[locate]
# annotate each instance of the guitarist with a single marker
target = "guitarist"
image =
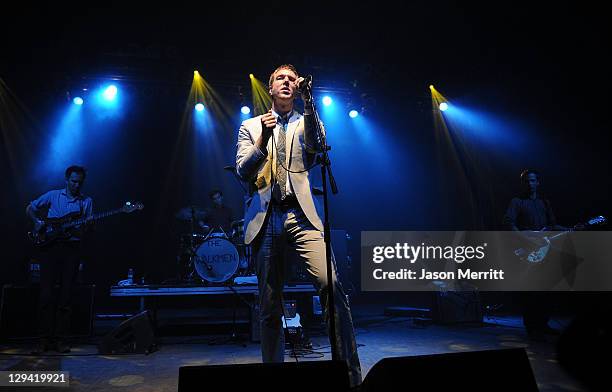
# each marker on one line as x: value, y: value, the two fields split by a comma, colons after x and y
x: 59, y: 258
x: 530, y: 211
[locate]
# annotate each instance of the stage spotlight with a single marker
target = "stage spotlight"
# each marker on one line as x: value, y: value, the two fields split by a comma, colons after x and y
x: 353, y: 113
x: 199, y: 107
x: 443, y: 106
x: 110, y: 92
x: 251, y: 76
x: 245, y: 110
x: 327, y: 100
x: 78, y: 100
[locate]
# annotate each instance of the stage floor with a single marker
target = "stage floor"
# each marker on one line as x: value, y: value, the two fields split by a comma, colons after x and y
x: 378, y: 337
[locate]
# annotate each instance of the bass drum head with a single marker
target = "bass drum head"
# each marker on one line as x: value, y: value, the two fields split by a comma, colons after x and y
x: 216, y: 260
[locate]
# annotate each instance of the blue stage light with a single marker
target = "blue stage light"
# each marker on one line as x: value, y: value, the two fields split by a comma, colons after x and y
x: 353, y: 113
x: 327, y: 100
x: 245, y: 110
x: 110, y: 92
x: 77, y: 100
x: 443, y: 106
x: 199, y: 107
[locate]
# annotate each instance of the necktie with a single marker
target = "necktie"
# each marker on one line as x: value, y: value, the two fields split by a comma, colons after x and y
x: 280, y: 190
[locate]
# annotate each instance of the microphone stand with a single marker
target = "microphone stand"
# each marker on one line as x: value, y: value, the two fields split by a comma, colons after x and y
x: 192, y: 253
x: 325, y: 171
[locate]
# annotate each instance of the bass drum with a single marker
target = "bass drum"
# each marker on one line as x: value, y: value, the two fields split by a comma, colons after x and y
x: 216, y: 260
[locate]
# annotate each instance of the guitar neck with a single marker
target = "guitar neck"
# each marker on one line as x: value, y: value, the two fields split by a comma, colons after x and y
x: 560, y: 234
x: 587, y: 224
x: 95, y: 217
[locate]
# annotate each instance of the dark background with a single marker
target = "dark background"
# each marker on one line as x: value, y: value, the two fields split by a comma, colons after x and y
x: 540, y: 69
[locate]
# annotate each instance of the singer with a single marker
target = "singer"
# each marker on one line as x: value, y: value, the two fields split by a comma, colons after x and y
x: 274, y: 154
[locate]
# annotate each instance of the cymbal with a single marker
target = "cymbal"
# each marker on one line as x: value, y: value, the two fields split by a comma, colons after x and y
x: 190, y: 212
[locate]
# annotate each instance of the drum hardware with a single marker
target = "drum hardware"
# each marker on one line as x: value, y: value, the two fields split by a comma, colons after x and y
x: 210, y: 255
x: 216, y: 260
x: 211, y: 258
x: 237, y: 233
x: 190, y: 214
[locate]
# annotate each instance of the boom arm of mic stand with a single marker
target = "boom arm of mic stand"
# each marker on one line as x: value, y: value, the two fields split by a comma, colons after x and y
x: 324, y: 147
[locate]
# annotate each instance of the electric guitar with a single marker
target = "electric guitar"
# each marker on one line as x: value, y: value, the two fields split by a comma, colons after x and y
x: 537, y: 254
x: 58, y: 229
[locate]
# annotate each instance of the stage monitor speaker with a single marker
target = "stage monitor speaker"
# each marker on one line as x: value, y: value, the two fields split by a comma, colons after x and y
x: 19, y: 311
x: 269, y: 377
x: 134, y: 335
x: 492, y: 370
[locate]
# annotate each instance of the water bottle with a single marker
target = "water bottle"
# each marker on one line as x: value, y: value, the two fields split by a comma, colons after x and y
x: 130, y: 279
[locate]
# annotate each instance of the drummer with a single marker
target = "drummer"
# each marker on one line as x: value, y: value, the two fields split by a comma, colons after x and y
x: 218, y: 216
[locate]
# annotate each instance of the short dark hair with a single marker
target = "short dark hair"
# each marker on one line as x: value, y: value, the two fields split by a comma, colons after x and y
x: 284, y: 66
x: 525, y: 174
x: 212, y: 193
x: 76, y: 169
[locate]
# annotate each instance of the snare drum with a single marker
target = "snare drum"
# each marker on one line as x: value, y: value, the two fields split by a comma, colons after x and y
x: 216, y: 259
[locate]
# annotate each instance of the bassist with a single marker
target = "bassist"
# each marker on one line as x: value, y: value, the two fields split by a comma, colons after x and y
x: 59, y: 259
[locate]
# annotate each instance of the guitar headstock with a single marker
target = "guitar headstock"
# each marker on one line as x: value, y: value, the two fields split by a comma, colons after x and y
x: 132, y: 206
x: 600, y: 220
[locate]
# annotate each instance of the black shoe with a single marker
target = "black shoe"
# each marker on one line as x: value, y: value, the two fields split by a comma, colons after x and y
x: 62, y: 347
x: 43, y: 346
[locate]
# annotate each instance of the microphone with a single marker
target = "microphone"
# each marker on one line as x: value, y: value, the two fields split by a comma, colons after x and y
x: 305, y: 85
x: 230, y: 168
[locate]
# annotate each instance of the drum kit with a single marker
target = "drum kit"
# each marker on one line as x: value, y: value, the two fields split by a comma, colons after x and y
x: 209, y: 255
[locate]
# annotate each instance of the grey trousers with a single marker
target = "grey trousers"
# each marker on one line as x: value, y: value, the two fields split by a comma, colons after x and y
x: 289, y: 227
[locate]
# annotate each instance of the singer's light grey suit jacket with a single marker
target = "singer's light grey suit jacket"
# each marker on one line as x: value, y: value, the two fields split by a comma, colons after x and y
x: 255, y: 168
